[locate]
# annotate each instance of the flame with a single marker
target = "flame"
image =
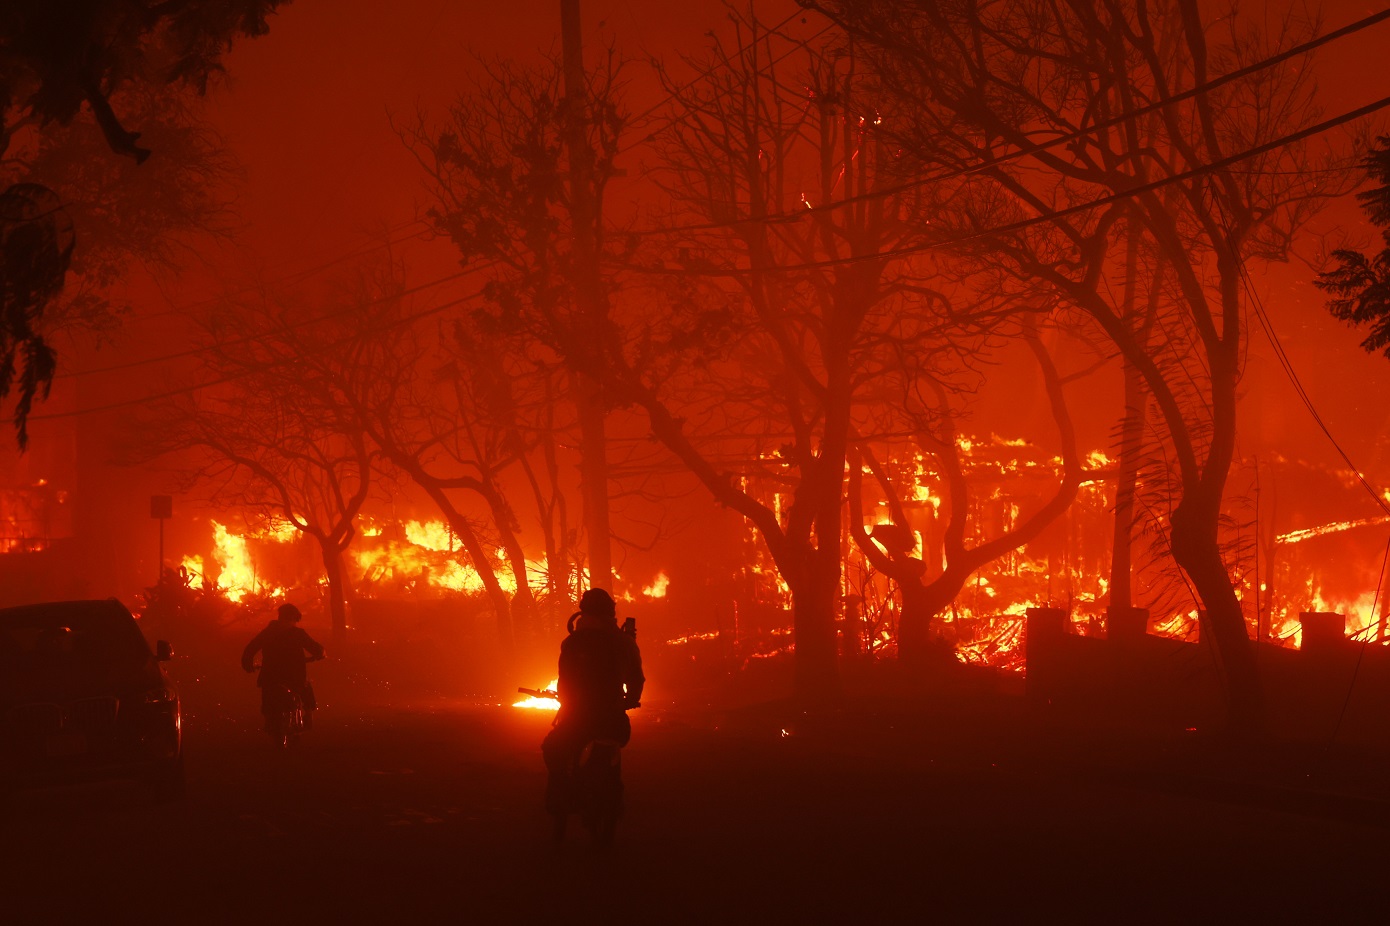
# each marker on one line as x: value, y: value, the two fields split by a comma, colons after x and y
x: 1336, y: 527
x: 1358, y: 614
x: 681, y: 641
x: 193, y: 565
x: 658, y: 587
x: 415, y: 565
x: 531, y: 702
x: 427, y: 558
x: 432, y: 535
x: 237, y: 576
x: 1179, y: 626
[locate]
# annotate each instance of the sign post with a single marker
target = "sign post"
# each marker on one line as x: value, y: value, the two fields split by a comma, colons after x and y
x: 162, y: 508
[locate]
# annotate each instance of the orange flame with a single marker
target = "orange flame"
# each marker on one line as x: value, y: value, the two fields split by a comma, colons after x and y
x: 658, y: 587
x: 531, y: 702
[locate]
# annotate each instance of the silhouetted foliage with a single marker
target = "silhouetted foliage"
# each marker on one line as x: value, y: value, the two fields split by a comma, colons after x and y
x: 1360, y: 282
x: 36, y: 242
x: 125, y: 213
x: 55, y: 56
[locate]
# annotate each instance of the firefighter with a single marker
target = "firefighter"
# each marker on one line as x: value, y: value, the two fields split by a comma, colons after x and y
x: 283, y: 646
x: 600, y: 679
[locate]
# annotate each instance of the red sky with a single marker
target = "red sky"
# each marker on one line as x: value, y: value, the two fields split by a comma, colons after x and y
x: 305, y: 112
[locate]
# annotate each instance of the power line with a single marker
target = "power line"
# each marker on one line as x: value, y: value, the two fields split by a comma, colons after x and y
x: 303, y: 274
x: 310, y: 271
x: 403, y: 322
x: 1287, y: 365
x: 1022, y: 224
x: 299, y: 275
x: 956, y: 173
x: 250, y: 339
x: 1008, y: 228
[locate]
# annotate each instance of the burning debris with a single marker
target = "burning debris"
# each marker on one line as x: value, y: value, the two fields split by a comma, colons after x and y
x: 983, y: 625
x: 235, y: 573
x: 540, y: 703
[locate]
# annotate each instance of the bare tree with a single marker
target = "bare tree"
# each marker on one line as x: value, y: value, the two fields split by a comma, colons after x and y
x: 928, y: 590
x: 519, y: 174
x: 272, y: 437
x: 442, y: 407
x: 981, y: 85
x: 782, y: 351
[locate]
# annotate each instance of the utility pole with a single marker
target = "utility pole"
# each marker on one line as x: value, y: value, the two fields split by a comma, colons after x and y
x: 161, y: 509
x: 588, y: 333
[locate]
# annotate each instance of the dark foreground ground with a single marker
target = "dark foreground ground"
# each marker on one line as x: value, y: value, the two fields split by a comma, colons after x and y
x: 426, y: 810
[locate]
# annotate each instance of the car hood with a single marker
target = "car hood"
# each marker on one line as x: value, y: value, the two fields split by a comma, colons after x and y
x: 75, y: 679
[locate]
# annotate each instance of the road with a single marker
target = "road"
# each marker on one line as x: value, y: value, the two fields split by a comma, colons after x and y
x: 426, y: 809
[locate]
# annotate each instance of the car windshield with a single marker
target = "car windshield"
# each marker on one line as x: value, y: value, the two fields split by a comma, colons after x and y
x: 76, y: 635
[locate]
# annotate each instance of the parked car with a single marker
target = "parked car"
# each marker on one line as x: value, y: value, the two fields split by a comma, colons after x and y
x: 83, y: 697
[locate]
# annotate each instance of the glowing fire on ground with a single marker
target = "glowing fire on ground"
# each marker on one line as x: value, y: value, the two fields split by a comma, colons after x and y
x: 984, y: 625
x: 1068, y: 566
x: 531, y: 702
x: 385, y: 560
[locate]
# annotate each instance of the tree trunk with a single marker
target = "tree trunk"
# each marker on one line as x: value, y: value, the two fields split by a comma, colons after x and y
x: 814, y: 596
x: 501, y: 604
x: 591, y: 300
x: 922, y: 602
x: 593, y: 482
x: 554, y: 560
x: 337, y: 591
x: 1196, y: 551
x: 822, y: 493
x: 1126, y: 481
x: 523, y: 608
x: 914, y: 623
x: 468, y: 540
x: 504, y: 520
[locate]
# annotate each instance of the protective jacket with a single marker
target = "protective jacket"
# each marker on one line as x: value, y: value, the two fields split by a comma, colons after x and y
x: 600, y: 673
x: 283, y: 647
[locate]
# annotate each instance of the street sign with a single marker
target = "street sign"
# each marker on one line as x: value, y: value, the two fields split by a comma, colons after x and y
x: 161, y: 506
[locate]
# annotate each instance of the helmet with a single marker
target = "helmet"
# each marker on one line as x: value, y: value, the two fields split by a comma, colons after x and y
x: 597, y: 603
x: 289, y: 612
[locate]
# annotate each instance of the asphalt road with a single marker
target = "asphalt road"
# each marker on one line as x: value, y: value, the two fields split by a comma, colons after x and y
x: 399, y: 810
